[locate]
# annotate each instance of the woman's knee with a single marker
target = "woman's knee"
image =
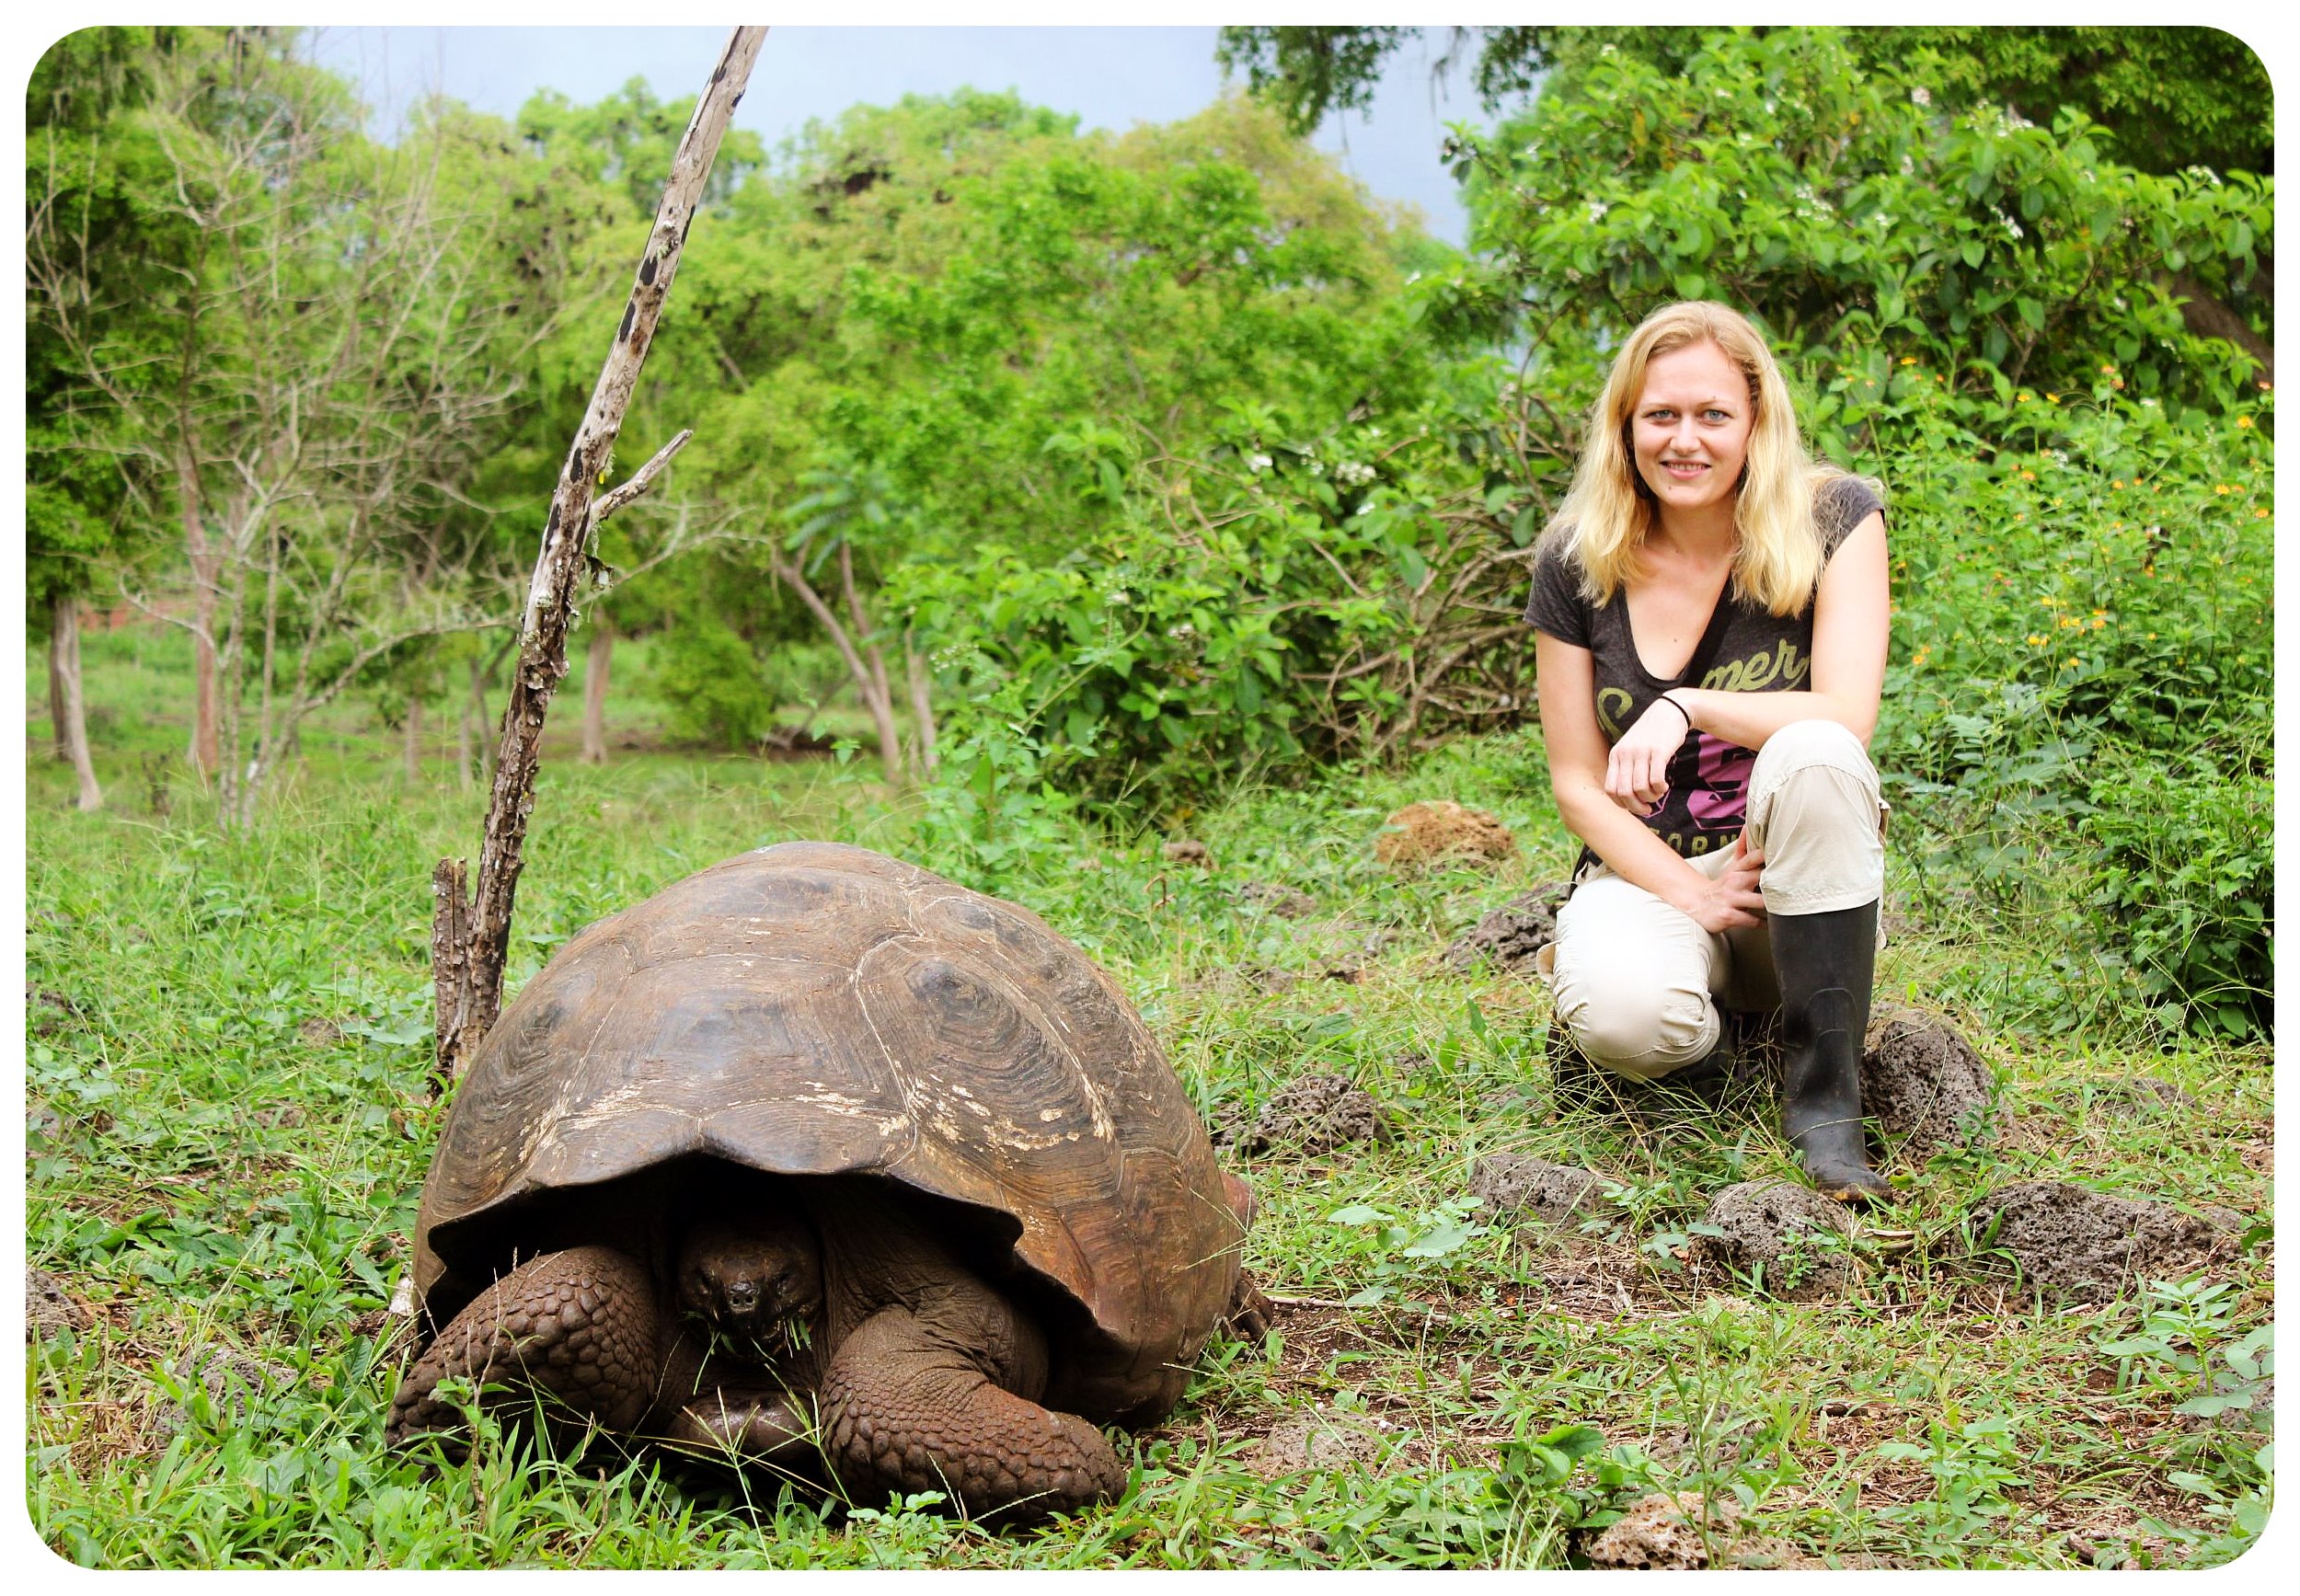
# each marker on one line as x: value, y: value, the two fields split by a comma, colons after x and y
x: 1814, y: 811
x: 1635, y: 1027
x: 1807, y: 745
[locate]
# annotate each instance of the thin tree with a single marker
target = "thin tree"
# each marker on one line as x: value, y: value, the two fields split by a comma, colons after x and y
x: 471, y: 932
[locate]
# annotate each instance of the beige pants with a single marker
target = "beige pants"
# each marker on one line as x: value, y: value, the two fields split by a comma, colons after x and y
x: 1637, y: 983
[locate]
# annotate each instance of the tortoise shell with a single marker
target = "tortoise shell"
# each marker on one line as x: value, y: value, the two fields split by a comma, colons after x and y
x: 812, y: 1009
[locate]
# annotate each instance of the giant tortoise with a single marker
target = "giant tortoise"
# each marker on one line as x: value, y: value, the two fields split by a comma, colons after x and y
x: 819, y: 1161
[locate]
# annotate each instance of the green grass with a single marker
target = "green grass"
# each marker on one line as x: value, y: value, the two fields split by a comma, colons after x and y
x: 227, y: 1126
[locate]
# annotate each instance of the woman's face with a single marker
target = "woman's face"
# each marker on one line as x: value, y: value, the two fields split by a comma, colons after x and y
x: 1689, y: 431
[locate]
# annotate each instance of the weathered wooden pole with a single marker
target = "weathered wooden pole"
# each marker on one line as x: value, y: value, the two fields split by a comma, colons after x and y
x: 471, y: 933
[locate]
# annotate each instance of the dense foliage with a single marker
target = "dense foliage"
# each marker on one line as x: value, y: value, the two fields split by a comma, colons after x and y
x: 1108, y: 472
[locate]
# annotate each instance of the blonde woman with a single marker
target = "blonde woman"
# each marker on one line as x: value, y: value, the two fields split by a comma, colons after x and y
x: 1709, y: 609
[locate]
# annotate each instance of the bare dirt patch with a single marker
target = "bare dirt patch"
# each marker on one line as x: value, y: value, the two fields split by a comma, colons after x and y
x: 1437, y: 830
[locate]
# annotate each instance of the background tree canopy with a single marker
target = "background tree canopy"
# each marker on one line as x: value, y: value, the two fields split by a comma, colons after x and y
x: 1087, y: 475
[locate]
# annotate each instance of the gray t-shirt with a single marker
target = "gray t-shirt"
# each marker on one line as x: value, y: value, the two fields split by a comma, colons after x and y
x: 1745, y: 649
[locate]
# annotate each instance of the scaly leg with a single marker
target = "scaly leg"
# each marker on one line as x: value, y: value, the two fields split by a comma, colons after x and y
x: 909, y: 1406
x: 581, y: 1328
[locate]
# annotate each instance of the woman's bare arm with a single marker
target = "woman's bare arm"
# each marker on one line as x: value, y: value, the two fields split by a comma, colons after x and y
x: 1851, y: 613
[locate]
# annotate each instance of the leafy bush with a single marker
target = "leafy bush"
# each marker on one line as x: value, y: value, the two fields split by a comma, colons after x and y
x: 2187, y: 877
x: 708, y: 677
x: 1777, y: 175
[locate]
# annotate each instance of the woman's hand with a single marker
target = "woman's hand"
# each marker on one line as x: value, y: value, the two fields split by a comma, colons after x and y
x: 1732, y: 900
x: 1637, y: 771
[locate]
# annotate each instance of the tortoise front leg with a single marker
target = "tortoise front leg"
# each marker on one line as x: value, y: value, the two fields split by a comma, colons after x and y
x: 909, y: 1406
x: 581, y: 1329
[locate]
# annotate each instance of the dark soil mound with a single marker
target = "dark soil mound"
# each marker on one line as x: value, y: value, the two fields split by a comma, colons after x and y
x: 49, y: 1308
x: 1314, y: 1114
x: 1923, y: 1083
x: 1286, y: 903
x: 1513, y: 1183
x: 1783, y: 1233
x: 1510, y: 936
x: 2086, y: 1247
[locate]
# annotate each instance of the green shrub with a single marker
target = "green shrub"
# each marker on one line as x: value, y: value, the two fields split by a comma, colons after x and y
x: 2187, y: 876
x: 708, y: 679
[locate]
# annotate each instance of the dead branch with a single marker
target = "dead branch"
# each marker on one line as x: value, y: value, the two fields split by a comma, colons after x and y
x: 478, y: 983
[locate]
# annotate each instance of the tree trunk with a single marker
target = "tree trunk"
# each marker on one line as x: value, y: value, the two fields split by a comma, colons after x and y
x: 471, y: 938
x: 595, y: 662
x: 877, y: 694
x: 59, y: 744
x: 64, y: 672
x: 922, y: 708
x: 411, y: 747
x: 871, y: 683
x: 2207, y: 316
x: 202, y: 754
x: 473, y: 751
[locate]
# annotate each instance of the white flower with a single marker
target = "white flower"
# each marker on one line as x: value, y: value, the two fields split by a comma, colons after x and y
x: 1597, y: 209
x: 1922, y: 96
x: 1258, y: 462
x: 1181, y: 633
x: 1908, y: 166
x: 1118, y: 596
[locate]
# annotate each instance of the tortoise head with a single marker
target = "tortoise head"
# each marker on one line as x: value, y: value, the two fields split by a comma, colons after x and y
x: 755, y: 1280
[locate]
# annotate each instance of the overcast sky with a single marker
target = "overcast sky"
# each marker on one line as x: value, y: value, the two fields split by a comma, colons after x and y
x: 1110, y: 77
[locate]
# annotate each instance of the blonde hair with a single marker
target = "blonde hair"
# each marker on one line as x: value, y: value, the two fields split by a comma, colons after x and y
x: 1608, y: 512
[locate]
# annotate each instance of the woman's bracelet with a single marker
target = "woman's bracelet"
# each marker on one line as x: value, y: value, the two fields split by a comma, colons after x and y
x: 1679, y: 708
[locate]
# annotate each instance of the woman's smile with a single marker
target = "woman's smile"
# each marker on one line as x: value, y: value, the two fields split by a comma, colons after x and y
x: 1689, y: 434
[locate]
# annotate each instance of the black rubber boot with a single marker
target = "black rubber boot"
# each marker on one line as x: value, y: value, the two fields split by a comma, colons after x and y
x: 1826, y: 964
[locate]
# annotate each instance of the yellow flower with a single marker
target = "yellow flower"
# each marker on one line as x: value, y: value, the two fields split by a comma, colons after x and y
x: 1908, y: 359
x: 2244, y: 420
x: 2036, y: 640
x: 2260, y: 514
x: 2223, y: 488
x: 2116, y: 482
x: 2020, y: 398
x: 2051, y: 398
